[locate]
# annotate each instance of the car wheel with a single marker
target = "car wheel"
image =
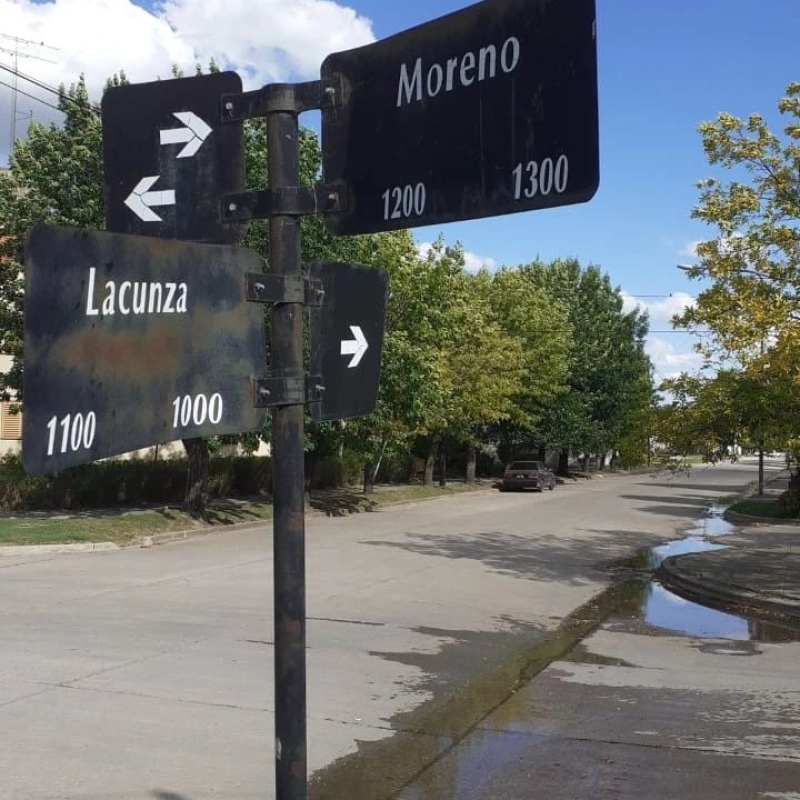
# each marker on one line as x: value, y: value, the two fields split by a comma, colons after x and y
x: 552, y: 485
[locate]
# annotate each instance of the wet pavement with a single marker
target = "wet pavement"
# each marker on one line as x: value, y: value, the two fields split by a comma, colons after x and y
x: 691, y: 695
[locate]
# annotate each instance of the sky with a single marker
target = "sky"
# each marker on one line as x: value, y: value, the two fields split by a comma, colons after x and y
x: 664, y: 67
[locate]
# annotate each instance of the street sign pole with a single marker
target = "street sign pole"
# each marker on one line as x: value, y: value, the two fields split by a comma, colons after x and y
x: 283, y: 171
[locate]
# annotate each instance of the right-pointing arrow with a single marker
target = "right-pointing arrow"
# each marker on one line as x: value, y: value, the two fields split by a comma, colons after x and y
x: 355, y: 347
x: 141, y: 199
x: 193, y: 133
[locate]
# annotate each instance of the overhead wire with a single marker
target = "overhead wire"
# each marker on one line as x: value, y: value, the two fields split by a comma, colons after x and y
x: 46, y: 87
x: 31, y: 96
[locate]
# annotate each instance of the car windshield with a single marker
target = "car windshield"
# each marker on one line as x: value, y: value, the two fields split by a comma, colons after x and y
x: 524, y: 465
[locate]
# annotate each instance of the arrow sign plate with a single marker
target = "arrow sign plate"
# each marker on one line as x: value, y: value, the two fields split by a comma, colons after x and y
x: 132, y: 341
x: 487, y: 111
x: 168, y: 158
x: 347, y: 338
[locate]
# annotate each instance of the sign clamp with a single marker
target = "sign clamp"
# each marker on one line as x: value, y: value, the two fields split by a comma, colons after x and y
x: 290, y: 201
x: 285, y: 390
x: 264, y: 287
x: 289, y: 97
x: 288, y: 390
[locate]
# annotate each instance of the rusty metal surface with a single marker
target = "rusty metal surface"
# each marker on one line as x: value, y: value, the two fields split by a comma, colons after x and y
x: 288, y: 466
x: 130, y: 369
x: 461, y: 138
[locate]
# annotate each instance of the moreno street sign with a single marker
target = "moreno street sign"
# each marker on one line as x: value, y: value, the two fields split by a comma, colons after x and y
x: 487, y: 111
x: 133, y: 341
x: 168, y: 159
x: 347, y: 338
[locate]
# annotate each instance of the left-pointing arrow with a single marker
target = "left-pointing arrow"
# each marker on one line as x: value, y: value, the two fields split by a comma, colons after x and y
x: 141, y: 200
x: 355, y: 347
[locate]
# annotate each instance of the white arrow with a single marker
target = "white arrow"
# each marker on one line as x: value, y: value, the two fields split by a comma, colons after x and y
x: 140, y: 200
x: 194, y: 132
x: 355, y: 347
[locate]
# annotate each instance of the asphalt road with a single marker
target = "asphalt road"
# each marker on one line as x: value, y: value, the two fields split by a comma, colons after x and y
x: 148, y: 673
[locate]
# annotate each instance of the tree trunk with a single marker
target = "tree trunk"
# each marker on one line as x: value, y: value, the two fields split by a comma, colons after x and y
x: 563, y: 463
x: 472, y: 463
x: 584, y: 462
x: 428, y: 478
x: 602, y: 465
x: 197, y: 479
x: 369, y: 478
x: 442, y: 464
x: 760, y: 469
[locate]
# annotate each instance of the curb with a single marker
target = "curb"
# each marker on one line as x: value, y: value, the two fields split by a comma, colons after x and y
x: 53, y: 549
x: 707, y: 591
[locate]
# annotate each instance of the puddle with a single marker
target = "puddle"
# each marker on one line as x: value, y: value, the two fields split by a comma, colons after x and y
x: 660, y: 608
x: 697, y: 539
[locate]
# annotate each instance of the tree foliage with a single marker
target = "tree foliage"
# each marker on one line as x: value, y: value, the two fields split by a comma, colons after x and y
x: 608, y: 378
x: 541, y: 355
x: 751, y: 304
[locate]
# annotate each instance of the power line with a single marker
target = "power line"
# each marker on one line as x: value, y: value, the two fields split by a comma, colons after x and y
x: 41, y: 85
x: 14, y: 89
x: 31, y: 96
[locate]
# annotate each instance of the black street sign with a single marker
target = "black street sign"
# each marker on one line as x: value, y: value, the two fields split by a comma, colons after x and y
x: 487, y: 111
x: 132, y: 341
x: 168, y: 159
x: 347, y: 338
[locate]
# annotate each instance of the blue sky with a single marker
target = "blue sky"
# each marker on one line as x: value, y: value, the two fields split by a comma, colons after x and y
x: 664, y: 66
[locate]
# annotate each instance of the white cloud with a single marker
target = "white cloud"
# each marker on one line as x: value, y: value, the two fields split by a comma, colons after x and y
x: 274, y: 40
x: 472, y: 261
x: 689, y: 250
x: 671, y: 353
x: 264, y: 40
x: 475, y: 263
x: 660, y: 310
x: 671, y: 357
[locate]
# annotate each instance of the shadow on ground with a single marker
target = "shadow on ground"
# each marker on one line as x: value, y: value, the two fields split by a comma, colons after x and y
x: 341, y: 503
x: 550, y: 557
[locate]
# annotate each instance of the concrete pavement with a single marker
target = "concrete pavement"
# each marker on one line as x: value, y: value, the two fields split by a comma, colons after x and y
x: 147, y: 673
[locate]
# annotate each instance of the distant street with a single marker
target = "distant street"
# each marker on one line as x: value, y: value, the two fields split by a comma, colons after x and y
x: 146, y: 673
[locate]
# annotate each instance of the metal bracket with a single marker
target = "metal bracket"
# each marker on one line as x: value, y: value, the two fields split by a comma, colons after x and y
x: 292, y: 201
x: 287, y: 391
x: 274, y: 97
x: 262, y: 287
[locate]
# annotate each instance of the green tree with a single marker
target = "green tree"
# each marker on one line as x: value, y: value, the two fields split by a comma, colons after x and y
x: 527, y: 312
x: 55, y: 176
x: 608, y: 382
x: 750, y: 308
x: 753, y: 261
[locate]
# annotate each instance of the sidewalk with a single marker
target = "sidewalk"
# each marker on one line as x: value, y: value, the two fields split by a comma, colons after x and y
x: 758, y: 572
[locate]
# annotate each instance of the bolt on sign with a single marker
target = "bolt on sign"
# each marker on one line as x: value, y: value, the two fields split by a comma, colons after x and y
x: 487, y: 111
x: 132, y: 341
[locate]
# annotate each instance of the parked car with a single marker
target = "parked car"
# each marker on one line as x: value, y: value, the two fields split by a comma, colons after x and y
x: 527, y: 475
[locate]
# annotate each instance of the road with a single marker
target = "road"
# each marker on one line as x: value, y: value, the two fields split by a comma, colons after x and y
x: 146, y: 673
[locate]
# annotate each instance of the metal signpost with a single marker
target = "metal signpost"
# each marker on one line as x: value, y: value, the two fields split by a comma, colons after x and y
x: 132, y: 341
x: 487, y: 111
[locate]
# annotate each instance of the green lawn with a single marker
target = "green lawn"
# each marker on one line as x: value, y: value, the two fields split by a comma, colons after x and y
x: 764, y: 507
x: 126, y: 527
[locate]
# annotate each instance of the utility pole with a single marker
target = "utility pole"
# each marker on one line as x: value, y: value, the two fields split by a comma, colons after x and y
x: 13, y: 49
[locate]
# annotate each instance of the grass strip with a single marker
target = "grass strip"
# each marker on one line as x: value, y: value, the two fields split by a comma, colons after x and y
x: 124, y: 527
